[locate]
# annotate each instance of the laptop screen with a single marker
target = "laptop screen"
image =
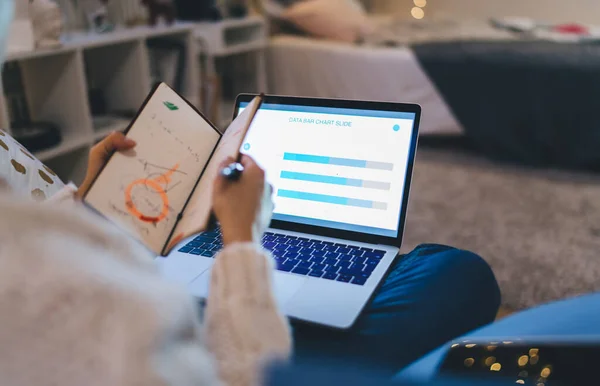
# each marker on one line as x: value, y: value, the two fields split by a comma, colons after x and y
x: 337, y: 168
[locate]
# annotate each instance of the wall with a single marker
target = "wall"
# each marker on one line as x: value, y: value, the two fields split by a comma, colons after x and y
x: 585, y: 11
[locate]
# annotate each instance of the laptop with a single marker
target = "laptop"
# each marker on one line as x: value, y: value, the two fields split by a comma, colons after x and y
x: 341, y: 172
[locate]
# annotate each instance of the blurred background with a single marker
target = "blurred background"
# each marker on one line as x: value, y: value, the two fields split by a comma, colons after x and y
x: 510, y: 134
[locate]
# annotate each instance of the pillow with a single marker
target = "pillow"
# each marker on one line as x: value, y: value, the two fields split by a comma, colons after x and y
x: 24, y: 174
x: 339, y: 20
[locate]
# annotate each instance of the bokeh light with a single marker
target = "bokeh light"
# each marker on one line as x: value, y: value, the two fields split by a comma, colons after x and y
x: 523, y: 360
x: 533, y: 352
x: 546, y: 372
x: 417, y: 13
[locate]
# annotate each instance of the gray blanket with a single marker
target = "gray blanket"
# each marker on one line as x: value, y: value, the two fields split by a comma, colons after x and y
x: 536, y: 103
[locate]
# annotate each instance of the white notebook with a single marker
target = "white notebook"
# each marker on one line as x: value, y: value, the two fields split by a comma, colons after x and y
x: 161, y: 191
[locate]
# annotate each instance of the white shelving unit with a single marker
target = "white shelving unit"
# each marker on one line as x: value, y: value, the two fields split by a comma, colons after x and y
x: 56, y: 84
x: 232, y: 38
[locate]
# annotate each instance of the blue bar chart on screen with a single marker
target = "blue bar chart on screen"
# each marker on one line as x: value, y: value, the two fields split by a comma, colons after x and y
x: 336, y: 180
x: 334, y: 167
x: 332, y: 199
x: 355, y: 163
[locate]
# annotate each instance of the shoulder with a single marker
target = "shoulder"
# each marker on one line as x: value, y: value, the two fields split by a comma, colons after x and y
x: 96, y: 297
x: 26, y: 175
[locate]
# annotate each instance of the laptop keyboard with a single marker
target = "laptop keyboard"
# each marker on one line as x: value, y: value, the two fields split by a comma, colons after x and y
x: 303, y: 256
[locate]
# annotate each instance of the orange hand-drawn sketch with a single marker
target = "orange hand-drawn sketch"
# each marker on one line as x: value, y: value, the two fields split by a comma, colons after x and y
x: 159, y: 186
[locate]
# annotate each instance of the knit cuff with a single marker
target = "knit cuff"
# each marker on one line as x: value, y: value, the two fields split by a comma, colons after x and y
x: 243, y: 272
x: 64, y: 196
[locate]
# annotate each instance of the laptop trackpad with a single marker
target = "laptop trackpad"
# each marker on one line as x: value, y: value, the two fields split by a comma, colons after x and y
x: 182, y: 268
x: 285, y: 286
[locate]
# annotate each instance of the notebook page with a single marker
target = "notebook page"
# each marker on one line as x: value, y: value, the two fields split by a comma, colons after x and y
x: 145, y: 189
x: 197, y: 213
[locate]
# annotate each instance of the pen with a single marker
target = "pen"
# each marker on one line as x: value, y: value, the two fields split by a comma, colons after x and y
x: 233, y: 171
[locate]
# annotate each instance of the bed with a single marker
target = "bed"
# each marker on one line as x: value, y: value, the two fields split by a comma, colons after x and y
x: 524, y: 101
x: 309, y: 67
x: 383, y: 67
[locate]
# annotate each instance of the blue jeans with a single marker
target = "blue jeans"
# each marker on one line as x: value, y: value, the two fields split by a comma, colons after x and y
x: 432, y: 295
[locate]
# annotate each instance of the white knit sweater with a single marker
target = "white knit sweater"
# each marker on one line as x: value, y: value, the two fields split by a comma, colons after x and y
x: 82, y: 304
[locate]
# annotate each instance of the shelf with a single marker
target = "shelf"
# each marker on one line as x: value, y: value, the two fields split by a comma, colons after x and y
x: 65, y: 146
x: 229, y: 37
x: 18, y: 56
x: 164, y: 30
x: 120, y: 73
x: 104, y: 125
x: 232, y: 23
x: 72, y: 41
x: 241, y: 48
x: 55, y: 92
x: 86, y: 40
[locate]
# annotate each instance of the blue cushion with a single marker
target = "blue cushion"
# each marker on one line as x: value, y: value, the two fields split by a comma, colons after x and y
x: 571, y: 320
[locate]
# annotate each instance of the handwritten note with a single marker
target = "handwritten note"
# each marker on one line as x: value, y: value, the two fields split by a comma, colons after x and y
x: 146, y: 189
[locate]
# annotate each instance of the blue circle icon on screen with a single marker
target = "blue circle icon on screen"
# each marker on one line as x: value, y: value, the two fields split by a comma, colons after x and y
x: 396, y: 127
x: 247, y: 146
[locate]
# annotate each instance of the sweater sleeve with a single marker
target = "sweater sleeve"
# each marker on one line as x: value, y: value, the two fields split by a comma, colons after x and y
x: 65, y: 196
x: 244, y: 327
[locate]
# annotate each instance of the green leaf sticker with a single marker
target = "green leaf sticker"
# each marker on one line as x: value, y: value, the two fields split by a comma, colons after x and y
x: 171, y: 106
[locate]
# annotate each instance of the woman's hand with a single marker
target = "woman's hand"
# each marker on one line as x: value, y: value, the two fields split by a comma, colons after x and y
x: 238, y: 204
x: 100, y: 154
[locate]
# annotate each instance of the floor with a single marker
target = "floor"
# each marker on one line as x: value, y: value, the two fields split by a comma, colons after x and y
x: 504, y: 312
x: 538, y: 229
